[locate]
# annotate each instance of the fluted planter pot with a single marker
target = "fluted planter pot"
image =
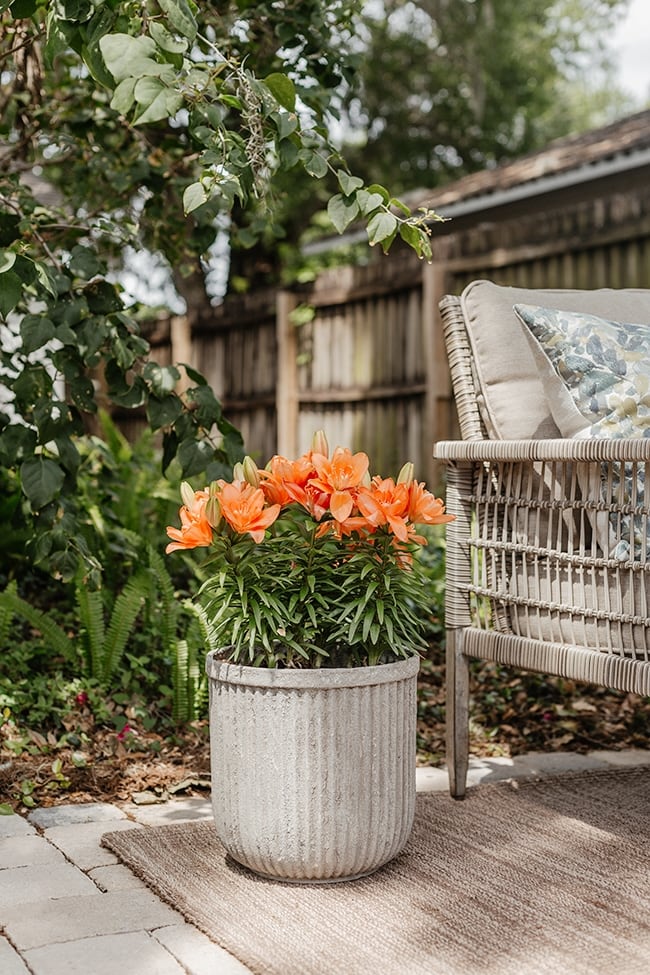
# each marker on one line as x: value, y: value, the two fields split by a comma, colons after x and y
x: 313, y: 771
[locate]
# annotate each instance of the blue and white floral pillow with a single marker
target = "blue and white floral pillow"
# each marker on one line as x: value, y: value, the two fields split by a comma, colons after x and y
x: 605, y: 366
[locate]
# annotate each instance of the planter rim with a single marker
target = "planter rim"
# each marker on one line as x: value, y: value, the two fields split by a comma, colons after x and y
x: 220, y: 670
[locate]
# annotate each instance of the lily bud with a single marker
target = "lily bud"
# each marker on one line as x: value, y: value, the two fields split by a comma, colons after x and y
x: 238, y: 472
x: 212, y: 506
x: 366, y: 480
x: 187, y: 494
x: 319, y: 443
x: 251, y: 471
x: 405, y: 476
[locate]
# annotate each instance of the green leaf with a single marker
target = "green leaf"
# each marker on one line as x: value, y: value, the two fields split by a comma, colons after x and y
x: 123, y: 96
x: 41, y: 480
x: 130, y: 57
x: 342, y: 212
x: 161, y: 379
x: 102, y: 298
x: 381, y: 226
x: 84, y: 262
x: 35, y: 331
x: 163, y: 412
x: 401, y: 206
x: 287, y: 123
x: 368, y: 201
x: 11, y: 289
x: 160, y: 101
x: 194, y: 456
x: 381, y: 190
x: 348, y: 183
x: 7, y: 261
x: 6, y: 809
x: 283, y: 90
x: 44, y: 277
x: 194, y: 197
x: 166, y: 41
x: 416, y: 238
x: 180, y: 16
x: 313, y: 162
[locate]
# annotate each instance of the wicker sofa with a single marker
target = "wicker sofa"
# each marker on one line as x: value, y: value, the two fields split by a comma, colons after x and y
x: 547, y: 565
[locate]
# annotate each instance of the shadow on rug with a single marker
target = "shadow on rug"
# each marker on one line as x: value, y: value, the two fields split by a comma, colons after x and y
x: 534, y: 878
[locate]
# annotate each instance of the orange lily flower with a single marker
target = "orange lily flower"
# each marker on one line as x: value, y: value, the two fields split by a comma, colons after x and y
x: 386, y: 503
x: 282, y: 475
x: 242, y: 506
x: 340, y: 477
x: 195, y: 530
x: 425, y: 508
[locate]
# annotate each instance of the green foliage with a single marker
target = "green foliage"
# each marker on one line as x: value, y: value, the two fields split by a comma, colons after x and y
x: 296, y: 599
x: 114, y: 632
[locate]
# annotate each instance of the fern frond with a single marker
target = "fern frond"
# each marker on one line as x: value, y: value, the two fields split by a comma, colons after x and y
x: 90, y: 607
x: 180, y: 699
x: 125, y: 611
x: 7, y: 614
x: 53, y: 634
x: 169, y: 607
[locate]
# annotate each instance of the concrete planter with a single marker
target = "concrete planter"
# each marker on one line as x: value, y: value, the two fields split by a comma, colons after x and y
x: 313, y: 771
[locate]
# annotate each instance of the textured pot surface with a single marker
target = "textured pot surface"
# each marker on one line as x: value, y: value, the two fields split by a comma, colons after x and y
x: 313, y: 771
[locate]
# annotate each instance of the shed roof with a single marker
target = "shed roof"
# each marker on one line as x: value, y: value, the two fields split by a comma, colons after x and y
x: 617, y: 147
x: 592, y: 163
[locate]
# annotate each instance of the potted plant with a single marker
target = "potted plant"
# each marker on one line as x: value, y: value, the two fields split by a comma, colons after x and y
x: 315, y: 600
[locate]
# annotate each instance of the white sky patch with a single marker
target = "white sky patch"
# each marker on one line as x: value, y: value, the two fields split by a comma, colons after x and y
x: 630, y: 44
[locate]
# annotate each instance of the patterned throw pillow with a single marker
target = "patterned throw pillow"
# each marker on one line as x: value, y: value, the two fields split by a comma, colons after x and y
x: 605, y: 367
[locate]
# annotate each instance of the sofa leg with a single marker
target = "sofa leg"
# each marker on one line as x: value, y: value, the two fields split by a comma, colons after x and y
x: 457, y: 714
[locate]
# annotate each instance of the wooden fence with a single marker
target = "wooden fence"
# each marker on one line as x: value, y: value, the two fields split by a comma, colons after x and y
x: 369, y: 367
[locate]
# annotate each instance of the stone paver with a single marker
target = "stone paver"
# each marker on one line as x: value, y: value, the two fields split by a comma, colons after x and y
x: 10, y: 961
x: 109, y: 954
x: 15, y: 826
x: 82, y: 812
x: 182, y: 810
x: 48, y: 922
x: 196, y: 953
x: 22, y: 885
x: 26, y: 850
x: 115, y: 877
x: 81, y: 842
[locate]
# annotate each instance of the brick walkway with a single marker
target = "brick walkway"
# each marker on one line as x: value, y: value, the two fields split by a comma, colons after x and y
x: 68, y: 907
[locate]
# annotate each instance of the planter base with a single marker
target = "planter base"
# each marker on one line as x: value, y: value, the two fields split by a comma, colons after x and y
x: 313, y: 771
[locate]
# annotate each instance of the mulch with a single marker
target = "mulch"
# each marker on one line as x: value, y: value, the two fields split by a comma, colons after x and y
x: 512, y: 713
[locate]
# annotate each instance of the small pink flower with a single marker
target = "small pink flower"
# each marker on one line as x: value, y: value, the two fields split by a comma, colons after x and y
x: 82, y: 699
x: 126, y: 730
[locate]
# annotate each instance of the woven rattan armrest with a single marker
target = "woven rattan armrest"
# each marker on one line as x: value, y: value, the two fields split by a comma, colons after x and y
x: 578, y: 451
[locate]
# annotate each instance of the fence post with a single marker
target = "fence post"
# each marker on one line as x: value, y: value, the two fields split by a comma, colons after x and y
x: 180, y: 332
x: 438, y: 393
x: 286, y: 390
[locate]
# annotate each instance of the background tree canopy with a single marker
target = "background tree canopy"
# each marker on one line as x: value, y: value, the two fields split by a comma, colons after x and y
x: 177, y: 129
x: 448, y: 88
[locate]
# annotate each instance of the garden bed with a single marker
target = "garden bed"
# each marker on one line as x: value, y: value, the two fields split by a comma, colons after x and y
x: 511, y: 714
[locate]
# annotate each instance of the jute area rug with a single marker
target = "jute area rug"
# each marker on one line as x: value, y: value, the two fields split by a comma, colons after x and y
x: 542, y: 877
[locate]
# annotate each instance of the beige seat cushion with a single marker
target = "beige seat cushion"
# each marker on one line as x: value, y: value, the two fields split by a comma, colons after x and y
x: 515, y: 382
